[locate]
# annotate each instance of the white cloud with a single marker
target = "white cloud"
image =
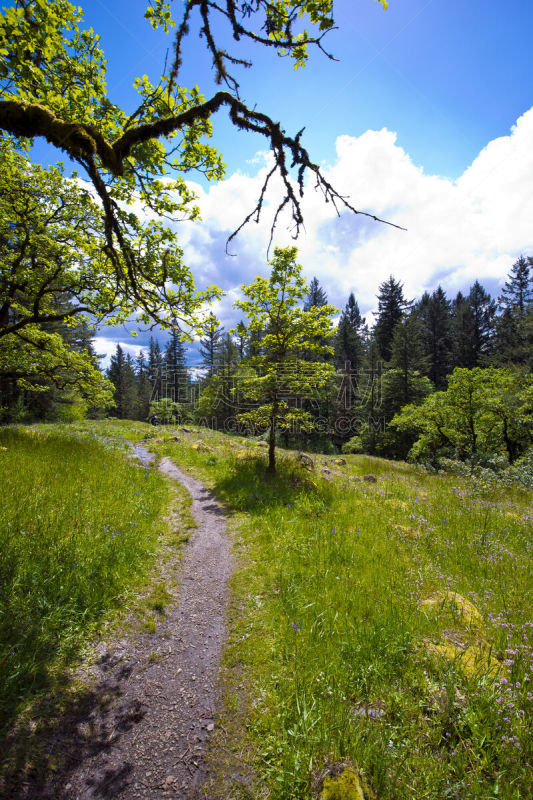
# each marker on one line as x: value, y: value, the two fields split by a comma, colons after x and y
x: 457, y: 231
x: 107, y: 347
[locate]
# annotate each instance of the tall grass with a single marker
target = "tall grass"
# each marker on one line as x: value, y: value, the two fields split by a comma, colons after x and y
x: 78, y: 527
x: 343, y: 660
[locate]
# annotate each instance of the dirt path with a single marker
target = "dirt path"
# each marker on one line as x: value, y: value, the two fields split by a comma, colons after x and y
x: 147, y: 739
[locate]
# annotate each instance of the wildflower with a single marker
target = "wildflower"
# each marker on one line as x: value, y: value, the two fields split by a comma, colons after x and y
x: 296, y: 626
x: 136, y: 492
x: 333, y: 531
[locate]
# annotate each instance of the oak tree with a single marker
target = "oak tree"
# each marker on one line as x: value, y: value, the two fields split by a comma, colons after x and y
x: 279, y: 374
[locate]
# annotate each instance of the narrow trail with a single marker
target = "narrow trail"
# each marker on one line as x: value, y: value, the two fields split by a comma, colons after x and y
x: 150, y: 740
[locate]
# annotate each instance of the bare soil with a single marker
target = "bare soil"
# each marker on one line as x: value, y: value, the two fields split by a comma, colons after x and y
x: 142, y: 730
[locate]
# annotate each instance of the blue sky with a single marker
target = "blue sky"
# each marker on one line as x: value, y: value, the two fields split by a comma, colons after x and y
x: 415, y: 121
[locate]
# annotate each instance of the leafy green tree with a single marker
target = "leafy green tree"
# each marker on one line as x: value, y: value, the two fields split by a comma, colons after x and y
x: 391, y: 308
x: 38, y: 359
x: 279, y: 373
x: 167, y: 410
x: 483, y: 413
x: 53, y: 85
x: 53, y: 275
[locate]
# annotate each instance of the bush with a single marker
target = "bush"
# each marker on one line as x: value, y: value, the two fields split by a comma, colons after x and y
x: 353, y: 445
x: 167, y: 411
x: 522, y: 470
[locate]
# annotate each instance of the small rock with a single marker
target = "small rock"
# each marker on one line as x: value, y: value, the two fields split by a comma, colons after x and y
x: 262, y: 444
x: 211, y: 726
x: 372, y: 710
x: 305, y: 461
x: 201, y: 447
x: 370, y: 478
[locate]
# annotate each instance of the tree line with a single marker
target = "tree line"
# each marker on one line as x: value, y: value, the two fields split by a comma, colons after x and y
x: 408, y: 354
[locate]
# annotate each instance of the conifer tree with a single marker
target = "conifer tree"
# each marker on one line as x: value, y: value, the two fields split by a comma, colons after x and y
x: 176, y: 377
x: 434, y: 313
x: 408, y: 362
x: 483, y: 314
x: 391, y: 308
x: 348, y: 343
x: 512, y: 343
x: 462, y: 330
x: 155, y: 363
x: 122, y: 375
x: 144, y: 387
x: 241, y: 339
x: 316, y: 296
x: 517, y: 293
x: 210, y: 343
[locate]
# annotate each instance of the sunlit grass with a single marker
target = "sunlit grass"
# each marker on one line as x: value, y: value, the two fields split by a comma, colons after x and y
x: 341, y: 657
x: 332, y: 655
x: 79, y: 528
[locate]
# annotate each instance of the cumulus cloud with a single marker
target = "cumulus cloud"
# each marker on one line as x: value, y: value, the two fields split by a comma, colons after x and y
x: 457, y: 231
x: 106, y: 347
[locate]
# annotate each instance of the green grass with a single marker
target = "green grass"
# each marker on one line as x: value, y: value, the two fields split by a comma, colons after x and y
x: 80, y: 528
x: 332, y: 656
x: 333, y: 651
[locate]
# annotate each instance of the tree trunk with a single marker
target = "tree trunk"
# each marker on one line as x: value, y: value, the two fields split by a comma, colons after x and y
x: 272, y: 442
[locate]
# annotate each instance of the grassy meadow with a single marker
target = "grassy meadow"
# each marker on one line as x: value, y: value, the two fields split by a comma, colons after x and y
x: 379, y: 626
x: 80, y: 528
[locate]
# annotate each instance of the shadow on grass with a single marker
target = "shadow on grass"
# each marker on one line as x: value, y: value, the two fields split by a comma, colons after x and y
x: 42, y: 752
x: 249, y: 487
